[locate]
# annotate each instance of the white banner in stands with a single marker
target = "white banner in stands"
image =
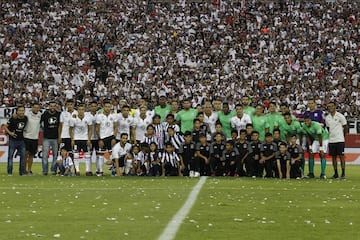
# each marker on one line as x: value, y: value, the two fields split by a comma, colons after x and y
x: 7, y: 112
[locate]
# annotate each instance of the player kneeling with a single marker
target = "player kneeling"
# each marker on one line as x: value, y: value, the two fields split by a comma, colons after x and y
x: 64, y: 163
x: 171, y: 162
x: 119, y: 152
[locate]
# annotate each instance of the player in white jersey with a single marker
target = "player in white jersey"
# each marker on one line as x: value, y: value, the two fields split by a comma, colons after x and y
x: 144, y: 102
x: 141, y: 122
x: 125, y: 124
x: 119, y: 152
x: 239, y: 121
x: 64, y: 125
x: 210, y: 117
x: 93, y: 107
x: 80, y: 133
x: 31, y: 136
x: 106, y: 130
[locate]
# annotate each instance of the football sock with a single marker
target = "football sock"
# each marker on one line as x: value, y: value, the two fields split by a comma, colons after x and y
x: 311, y: 165
x: 323, y: 165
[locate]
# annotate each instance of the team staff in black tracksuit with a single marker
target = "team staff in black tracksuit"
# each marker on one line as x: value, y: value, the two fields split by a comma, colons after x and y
x: 187, y: 154
x: 243, y: 149
x: 296, y: 153
x: 202, y: 156
x: 216, y: 150
x: 254, y: 158
x: 283, y: 159
x: 268, y: 150
x: 228, y: 160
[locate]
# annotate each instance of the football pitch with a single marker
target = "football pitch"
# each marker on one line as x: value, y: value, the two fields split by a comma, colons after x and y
x: 55, y: 207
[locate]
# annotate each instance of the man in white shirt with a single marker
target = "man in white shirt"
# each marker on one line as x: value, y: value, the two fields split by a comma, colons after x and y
x: 106, y: 130
x: 141, y: 122
x: 119, y: 151
x: 337, y: 125
x: 239, y: 121
x: 80, y: 133
x: 125, y: 124
x: 31, y: 136
x: 64, y: 125
x: 210, y: 116
x: 92, y: 113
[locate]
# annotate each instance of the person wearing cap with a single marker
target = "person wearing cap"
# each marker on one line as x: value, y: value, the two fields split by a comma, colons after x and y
x: 163, y: 109
x: 317, y: 140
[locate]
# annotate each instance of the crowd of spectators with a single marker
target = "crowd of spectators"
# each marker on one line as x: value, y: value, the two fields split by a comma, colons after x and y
x: 283, y: 51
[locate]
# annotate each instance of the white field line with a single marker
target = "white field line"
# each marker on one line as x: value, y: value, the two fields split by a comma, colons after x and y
x: 174, y: 224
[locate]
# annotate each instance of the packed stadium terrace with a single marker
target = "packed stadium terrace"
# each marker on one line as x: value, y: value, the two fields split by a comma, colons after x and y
x: 283, y: 51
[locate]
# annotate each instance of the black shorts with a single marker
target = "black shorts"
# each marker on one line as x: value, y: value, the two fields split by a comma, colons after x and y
x: 31, y: 145
x: 66, y: 143
x: 336, y: 149
x: 81, y: 145
x: 107, y: 142
x: 95, y: 145
x: 121, y: 161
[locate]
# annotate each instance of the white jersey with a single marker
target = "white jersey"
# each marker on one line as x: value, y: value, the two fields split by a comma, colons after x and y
x: 32, y: 127
x: 149, y: 113
x: 140, y: 127
x: 120, y: 151
x: 81, y: 127
x: 124, y: 125
x: 211, y: 120
x: 65, y: 118
x: 240, y: 123
x: 106, y: 124
x: 335, y: 124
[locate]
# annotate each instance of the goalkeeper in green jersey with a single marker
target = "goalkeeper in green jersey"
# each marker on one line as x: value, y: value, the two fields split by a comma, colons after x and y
x: 317, y: 140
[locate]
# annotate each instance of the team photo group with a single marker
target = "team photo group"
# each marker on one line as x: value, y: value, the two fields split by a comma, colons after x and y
x: 174, y: 138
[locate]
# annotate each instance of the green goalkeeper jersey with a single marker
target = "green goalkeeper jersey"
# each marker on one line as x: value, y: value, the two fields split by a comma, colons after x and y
x: 314, y: 130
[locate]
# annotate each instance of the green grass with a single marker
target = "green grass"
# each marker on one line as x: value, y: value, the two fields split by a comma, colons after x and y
x: 140, y: 208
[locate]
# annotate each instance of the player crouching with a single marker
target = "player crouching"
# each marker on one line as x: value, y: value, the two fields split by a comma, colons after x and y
x: 64, y: 162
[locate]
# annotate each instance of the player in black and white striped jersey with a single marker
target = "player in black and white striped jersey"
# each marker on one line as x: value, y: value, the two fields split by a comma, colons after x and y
x: 150, y: 135
x: 170, y: 122
x: 159, y: 132
x: 171, y: 162
x: 175, y: 138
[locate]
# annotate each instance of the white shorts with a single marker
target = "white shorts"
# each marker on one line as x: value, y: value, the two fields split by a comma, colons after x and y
x: 316, y: 146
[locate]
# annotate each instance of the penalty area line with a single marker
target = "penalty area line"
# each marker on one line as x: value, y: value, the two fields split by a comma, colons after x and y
x: 174, y: 224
